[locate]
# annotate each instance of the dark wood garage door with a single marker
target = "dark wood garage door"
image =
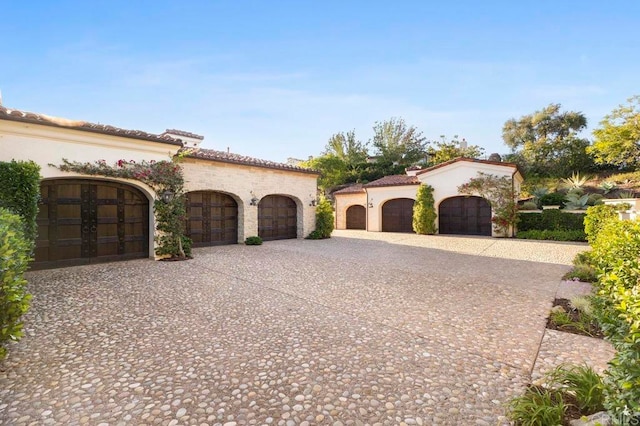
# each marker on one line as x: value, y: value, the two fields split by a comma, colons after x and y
x: 356, y: 217
x: 397, y: 215
x: 89, y: 221
x: 277, y: 218
x: 212, y: 218
x: 465, y: 215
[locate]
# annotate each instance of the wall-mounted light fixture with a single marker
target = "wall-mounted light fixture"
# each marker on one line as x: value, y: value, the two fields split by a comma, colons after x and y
x: 167, y: 196
x: 313, y: 202
x: 254, y: 200
x: 370, y: 204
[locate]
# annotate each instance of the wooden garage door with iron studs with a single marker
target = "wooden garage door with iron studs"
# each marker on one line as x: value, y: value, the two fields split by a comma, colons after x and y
x: 90, y: 221
x: 212, y: 218
x: 397, y: 215
x: 277, y: 218
x: 356, y: 217
x: 464, y: 216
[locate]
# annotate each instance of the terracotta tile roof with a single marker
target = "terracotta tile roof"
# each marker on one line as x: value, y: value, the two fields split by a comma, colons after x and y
x: 46, y: 120
x: 182, y: 133
x: 470, y: 160
x: 356, y: 188
x: 226, y: 157
x: 394, y: 180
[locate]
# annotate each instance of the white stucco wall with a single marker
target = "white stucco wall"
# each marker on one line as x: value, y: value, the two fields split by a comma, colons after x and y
x: 49, y: 145
x: 379, y: 195
x: 446, y: 180
x: 240, y: 181
x: 343, y: 202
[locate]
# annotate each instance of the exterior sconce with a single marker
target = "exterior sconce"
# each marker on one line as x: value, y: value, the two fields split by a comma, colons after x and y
x: 254, y: 200
x: 167, y: 196
x: 370, y: 204
x: 313, y: 202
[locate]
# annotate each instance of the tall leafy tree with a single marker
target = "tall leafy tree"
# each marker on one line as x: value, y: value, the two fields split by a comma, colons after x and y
x: 617, y: 140
x: 547, y: 141
x: 332, y: 168
x: 396, y: 142
x: 444, y: 150
x: 346, y: 147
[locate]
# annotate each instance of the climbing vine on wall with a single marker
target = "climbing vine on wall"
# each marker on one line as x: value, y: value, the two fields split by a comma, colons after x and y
x: 501, y: 195
x: 164, y: 177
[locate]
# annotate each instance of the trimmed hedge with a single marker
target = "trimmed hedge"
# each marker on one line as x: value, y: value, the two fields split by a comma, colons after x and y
x: 15, y: 255
x: 552, y: 234
x: 558, y: 225
x: 20, y: 192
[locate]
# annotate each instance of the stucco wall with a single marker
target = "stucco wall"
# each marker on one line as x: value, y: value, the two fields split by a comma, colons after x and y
x: 378, y: 196
x: 343, y: 202
x: 49, y: 145
x: 446, y: 180
x: 240, y: 181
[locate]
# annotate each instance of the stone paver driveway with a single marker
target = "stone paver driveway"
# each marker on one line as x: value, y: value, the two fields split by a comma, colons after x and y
x: 363, y: 328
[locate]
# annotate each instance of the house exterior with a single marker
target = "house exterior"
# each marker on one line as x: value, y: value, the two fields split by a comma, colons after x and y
x: 87, y: 219
x: 386, y: 205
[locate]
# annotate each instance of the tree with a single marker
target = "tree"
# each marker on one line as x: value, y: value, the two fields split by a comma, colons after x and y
x: 332, y: 168
x: 424, y: 212
x: 547, y: 141
x: 617, y: 140
x: 347, y: 148
x: 398, y: 143
x: 446, y: 151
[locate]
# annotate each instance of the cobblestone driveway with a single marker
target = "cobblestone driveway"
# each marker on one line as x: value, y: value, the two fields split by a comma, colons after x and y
x: 361, y: 329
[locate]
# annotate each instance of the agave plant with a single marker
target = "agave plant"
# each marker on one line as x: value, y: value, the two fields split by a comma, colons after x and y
x: 576, y: 181
x: 607, y: 186
x: 574, y: 201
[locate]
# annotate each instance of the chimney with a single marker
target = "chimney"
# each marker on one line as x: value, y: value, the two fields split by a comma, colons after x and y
x: 189, y: 140
x: 463, y: 144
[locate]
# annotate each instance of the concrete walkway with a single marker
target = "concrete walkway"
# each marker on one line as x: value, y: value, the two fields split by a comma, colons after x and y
x: 363, y: 328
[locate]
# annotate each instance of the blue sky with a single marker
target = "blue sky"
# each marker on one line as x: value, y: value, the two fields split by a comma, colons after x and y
x: 275, y: 79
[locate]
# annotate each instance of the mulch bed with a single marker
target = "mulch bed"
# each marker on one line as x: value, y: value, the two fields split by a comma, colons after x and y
x: 593, y: 330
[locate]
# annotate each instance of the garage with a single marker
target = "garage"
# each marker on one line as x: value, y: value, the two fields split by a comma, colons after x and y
x: 397, y: 215
x: 212, y: 218
x: 90, y: 221
x: 465, y: 216
x: 356, y: 217
x: 277, y: 218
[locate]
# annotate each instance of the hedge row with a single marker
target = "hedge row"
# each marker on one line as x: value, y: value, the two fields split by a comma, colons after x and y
x: 551, y: 220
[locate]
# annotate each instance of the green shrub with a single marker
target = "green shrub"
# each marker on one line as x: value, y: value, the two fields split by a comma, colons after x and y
x: 595, y: 219
x: 537, y: 407
x: 555, y: 220
x: 529, y: 205
x: 583, y: 383
x: 616, y: 250
x: 554, y: 235
x: 584, y: 273
x: 552, y: 199
x: 20, y: 193
x: 15, y: 250
x: 253, y: 241
x: 424, y: 212
x: 583, y: 258
x: 324, y: 219
x: 595, y: 199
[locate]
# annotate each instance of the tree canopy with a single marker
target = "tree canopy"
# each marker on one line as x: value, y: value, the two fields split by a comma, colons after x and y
x: 617, y: 140
x: 445, y: 151
x: 396, y: 142
x: 346, y: 147
x: 547, y: 142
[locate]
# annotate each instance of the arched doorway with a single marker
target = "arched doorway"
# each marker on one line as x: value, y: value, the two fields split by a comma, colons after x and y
x: 465, y: 216
x: 277, y: 218
x: 84, y: 221
x: 212, y: 218
x: 397, y: 215
x: 356, y: 217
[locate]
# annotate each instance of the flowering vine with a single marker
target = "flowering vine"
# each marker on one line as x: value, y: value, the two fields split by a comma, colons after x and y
x: 501, y: 195
x: 162, y: 177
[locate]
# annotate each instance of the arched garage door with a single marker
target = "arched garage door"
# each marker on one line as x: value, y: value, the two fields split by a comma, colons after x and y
x: 277, y: 218
x: 212, y: 218
x: 90, y: 221
x: 356, y: 217
x: 397, y: 215
x: 465, y: 215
